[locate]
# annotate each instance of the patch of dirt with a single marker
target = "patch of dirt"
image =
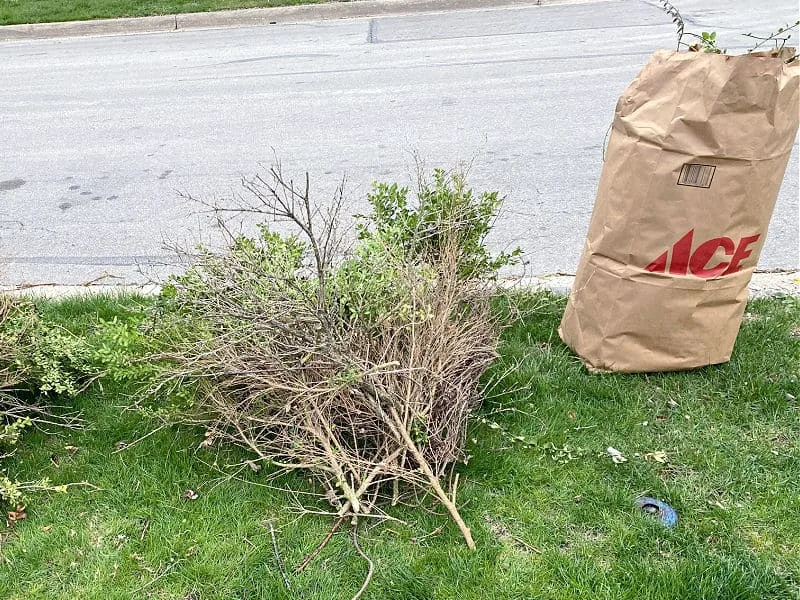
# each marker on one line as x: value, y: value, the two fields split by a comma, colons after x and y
x: 504, y: 534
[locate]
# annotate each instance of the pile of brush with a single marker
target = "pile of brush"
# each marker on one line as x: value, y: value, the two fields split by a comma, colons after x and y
x: 358, y: 367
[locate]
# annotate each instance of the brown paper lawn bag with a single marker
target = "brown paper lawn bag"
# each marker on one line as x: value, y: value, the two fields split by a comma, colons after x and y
x: 697, y: 153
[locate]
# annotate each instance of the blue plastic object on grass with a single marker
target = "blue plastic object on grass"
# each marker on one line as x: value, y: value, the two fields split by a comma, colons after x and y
x: 665, y: 513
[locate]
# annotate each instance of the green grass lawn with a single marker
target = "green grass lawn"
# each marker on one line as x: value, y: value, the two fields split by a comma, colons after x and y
x: 46, y: 11
x: 553, y: 517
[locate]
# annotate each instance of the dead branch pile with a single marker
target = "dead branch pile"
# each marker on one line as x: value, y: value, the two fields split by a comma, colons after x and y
x: 361, y: 371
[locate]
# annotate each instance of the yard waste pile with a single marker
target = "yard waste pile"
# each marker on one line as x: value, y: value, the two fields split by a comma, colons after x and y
x: 360, y: 366
x: 697, y: 153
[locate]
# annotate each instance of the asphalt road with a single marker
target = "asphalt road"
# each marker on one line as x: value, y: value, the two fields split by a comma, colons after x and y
x: 99, y: 134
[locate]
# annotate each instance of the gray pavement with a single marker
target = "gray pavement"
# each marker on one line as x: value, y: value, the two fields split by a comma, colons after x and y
x: 99, y: 134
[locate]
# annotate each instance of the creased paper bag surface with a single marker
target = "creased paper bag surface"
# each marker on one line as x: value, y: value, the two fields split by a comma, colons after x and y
x: 697, y: 153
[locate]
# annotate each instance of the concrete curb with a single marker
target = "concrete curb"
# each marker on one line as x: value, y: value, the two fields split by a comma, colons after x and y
x: 335, y: 9
x: 762, y: 285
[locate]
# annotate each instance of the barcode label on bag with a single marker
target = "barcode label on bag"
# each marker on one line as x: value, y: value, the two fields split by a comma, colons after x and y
x: 697, y: 175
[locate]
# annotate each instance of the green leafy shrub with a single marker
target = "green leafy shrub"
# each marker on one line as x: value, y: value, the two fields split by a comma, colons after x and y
x: 118, y: 347
x: 37, y: 360
x: 448, y: 216
x: 447, y: 211
x: 43, y: 358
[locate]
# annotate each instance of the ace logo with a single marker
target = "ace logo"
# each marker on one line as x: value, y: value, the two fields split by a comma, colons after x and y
x: 684, y: 261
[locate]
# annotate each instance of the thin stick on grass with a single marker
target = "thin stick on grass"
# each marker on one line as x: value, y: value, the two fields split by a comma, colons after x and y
x: 144, y: 437
x: 371, y: 570
x: 320, y: 547
x: 278, y: 560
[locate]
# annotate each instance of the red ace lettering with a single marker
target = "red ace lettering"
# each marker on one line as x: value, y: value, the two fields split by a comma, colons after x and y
x: 698, y: 264
x: 741, y: 253
x: 680, y: 254
x: 682, y: 260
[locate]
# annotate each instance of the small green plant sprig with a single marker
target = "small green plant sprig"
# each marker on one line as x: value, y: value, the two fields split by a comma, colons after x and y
x: 707, y: 43
x: 707, y: 40
x: 676, y: 17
